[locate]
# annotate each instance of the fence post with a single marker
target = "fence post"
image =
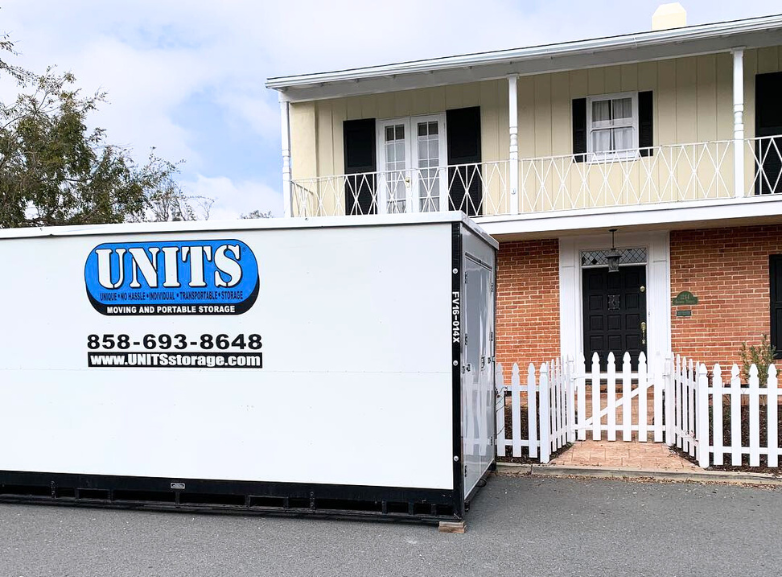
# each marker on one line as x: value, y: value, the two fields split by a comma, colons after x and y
x: 532, y: 412
x: 754, y: 417
x: 667, y: 370
x: 692, y: 379
x: 735, y: 416
x: 703, y: 417
x: 627, y: 387
x: 499, y: 411
x: 643, y: 397
x: 545, y: 415
x: 581, y: 391
x: 515, y: 410
x: 596, y: 434
x: 571, y: 401
x: 556, y: 402
x: 611, y: 397
x: 678, y: 403
x: 771, y: 422
x: 716, y: 410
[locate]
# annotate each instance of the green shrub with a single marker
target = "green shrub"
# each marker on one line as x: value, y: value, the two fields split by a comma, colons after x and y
x: 761, y: 356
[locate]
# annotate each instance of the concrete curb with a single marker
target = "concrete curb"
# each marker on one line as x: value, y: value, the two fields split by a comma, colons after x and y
x: 725, y: 477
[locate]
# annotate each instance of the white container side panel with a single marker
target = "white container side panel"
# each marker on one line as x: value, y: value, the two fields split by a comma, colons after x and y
x: 355, y: 387
x: 478, y: 375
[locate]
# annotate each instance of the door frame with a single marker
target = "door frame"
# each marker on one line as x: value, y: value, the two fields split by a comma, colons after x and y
x: 658, y: 283
x: 411, y: 153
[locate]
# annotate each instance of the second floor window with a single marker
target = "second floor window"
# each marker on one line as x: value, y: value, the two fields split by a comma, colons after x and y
x: 612, y: 123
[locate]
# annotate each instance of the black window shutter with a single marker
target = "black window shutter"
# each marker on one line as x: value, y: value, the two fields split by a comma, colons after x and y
x: 768, y: 122
x: 645, y: 123
x: 360, y: 158
x: 775, y: 286
x: 464, y: 147
x: 579, y: 129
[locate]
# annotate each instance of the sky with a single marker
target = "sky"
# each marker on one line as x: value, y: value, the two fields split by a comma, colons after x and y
x: 187, y: 76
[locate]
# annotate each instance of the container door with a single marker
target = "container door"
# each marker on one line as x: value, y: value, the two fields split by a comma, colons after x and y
x: 478, y: 384
x: 487, y: 372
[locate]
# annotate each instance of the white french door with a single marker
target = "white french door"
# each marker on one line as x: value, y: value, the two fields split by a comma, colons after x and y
x: 412, y: 163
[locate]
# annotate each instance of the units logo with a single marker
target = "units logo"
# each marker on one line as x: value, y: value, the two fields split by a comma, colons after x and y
x: 209, y: 277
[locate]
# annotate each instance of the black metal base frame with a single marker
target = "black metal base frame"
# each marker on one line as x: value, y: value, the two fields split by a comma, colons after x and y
x: 249, y: 497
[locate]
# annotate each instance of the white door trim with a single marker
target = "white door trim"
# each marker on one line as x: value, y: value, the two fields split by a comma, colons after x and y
x: 411, y: 170
x: 658, y: 283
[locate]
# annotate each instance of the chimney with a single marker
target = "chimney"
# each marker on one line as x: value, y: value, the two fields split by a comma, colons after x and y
x: 669, y: 16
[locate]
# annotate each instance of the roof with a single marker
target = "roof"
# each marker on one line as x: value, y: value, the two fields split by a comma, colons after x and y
x: 656, y: 44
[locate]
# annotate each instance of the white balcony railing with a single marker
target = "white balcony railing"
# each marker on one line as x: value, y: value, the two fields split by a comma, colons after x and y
x: 473, y: 188
x: 660, y: 174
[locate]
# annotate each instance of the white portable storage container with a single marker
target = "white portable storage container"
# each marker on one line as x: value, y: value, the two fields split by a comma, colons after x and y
x: 333, y: 366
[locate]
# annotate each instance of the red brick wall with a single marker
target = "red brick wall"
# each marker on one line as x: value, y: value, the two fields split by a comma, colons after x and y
x: 528, y: 302
x: 727, y: 269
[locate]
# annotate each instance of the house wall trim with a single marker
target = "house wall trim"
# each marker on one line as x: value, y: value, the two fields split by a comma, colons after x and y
x: 658, y: 284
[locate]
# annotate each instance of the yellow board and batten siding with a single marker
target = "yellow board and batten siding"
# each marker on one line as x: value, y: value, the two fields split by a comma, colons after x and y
x: 316, y: 127
x: 693, y: 102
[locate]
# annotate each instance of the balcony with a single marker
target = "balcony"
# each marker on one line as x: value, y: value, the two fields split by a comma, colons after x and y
x: 656, y: 175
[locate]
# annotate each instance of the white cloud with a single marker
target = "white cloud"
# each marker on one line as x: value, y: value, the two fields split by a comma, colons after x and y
x: 232, y: 199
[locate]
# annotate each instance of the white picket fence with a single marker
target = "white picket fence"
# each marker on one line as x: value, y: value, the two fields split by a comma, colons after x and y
x: 757, y: 401
x: 674, y: 402
x: 566, y: 403
x: 548, y: 410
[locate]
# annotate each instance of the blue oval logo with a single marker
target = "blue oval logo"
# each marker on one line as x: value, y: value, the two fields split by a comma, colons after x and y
x: 201, y: 277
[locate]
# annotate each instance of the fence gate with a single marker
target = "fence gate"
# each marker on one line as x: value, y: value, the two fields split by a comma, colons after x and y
x: 619, y: 402
x: 564, y: 402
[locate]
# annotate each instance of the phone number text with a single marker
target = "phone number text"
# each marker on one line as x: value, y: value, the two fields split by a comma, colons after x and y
x: 180, y: 342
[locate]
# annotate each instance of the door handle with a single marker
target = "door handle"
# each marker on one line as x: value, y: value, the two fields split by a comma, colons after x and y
x: 643, y: 333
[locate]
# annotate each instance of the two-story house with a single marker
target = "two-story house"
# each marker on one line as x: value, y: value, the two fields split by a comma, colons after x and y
x: 633, y: 182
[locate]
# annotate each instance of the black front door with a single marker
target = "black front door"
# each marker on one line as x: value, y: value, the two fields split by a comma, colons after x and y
x: 768, y: 123
x: 614, y: 313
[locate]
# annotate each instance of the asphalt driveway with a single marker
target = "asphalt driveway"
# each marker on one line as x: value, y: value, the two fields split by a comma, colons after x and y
x: 517, y: 526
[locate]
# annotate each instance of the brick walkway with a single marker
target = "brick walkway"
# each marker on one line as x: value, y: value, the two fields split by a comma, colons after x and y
x: 623, y: 455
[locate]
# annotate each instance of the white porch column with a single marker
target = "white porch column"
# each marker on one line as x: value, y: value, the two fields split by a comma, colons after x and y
x: 738, y: 122
x: 513, y: 130
x: 287, y: 189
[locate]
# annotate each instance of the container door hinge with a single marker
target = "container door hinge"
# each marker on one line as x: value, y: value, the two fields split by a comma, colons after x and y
x: 465, y: 470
